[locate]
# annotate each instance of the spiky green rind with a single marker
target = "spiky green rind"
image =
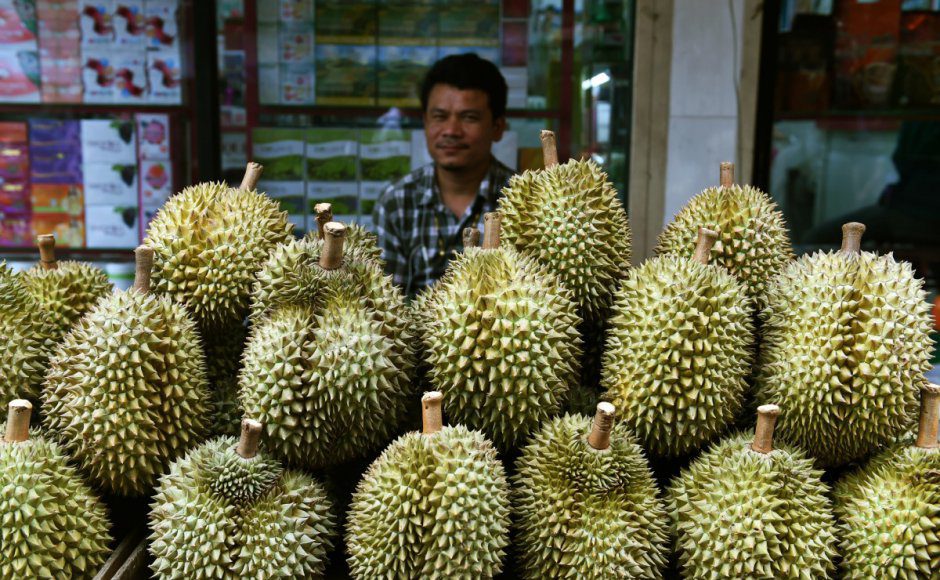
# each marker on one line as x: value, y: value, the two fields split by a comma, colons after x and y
x: 889, y: 515
x: 223, y: 363
x: 584, y: 513
x: 753, y: 242
x: 431, y: 506
x: 126, y: 391
x: 27, y: 339
x: 219, y: 515
x: 67, y: 292
x: 737, y: 513
x: 846, y: 343
x: 679, y: 348
x: 209, y: 241
x: 364, y: 242
x: 570, y: 218
x: 501, y: 342
x: 51, y: 523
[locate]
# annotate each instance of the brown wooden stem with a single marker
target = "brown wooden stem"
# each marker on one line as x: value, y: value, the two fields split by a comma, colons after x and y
x: 764, y: 433
x: 929, y: 416
x: 252, y: 176
x: 143, y: 256
x: 331, y: 257
x: 852, y: 237
x: 549, y: 149
x: 599, y: 437
x: 492, y: 229
x: 703, y: 246
x: 471, y: 237
x: 324, y: 213
x: 46, y: 243
x: 18, y: 415
x: 726, y: 174
x: 431, y: 415
x: 250, y: 438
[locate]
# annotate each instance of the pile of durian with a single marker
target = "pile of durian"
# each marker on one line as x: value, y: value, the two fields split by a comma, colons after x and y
x: 722, y: 410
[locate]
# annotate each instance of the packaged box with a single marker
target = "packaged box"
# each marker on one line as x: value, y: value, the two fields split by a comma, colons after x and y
x: 331, y: 155
x: 57, y: 16
x: 470, y: 24
x: 55, y: 133
x: 18, y: 26
x: 19, y: 76
x: 344, y: 197
x: 268, y: 11
x: 153, y: 132
x: 15, y: 230
x: 345, y: 75
x: 156, y: 182
x: 164, y: 75
x: 867, y: 37
x: 269, y: 84
x: 406, y: 24
x: 130, y: 28
x: 281, y: 151
x: 110, y: 184
x: 15, y: 196
x: 57, y: 198
x: 95, y: 22
x: 110, y: 141
x: 109, y: 226
x: 384, y: 154
x: 296, y: 10
x: 130, y: 76
x: 162, y: 25
x: 69, y: 230
x: 268, y: 43
x: 291, y: 196
x: 98, y: 75
x: 297, y: 83
x: 401, y: 70
x: 346, y: 23
x: 295, y: 43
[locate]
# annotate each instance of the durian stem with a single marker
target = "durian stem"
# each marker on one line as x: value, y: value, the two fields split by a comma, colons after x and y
x: 492, y: 229
x: 764, y: 433
x: 703, y: 246
x: 599, y: 438
x: 471, y: 237
x: 726, y: 174
x: 929, y: 415
x: 18, y: 421
x: 46, y: 243
x: 324, y: 216
x: 250, y: 438
x: 252, y: 176
x: 852, y: 237
x: 331, y: 257
x: 549, y: 149
x: 143, y: 256
x: 431, y: 416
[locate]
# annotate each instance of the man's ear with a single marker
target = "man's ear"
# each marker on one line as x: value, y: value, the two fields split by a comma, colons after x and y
x: 500, y: 128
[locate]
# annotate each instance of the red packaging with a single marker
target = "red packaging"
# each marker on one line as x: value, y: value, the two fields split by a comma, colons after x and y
x: 867, y: 37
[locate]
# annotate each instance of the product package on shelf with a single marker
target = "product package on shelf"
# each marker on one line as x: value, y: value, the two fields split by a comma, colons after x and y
x: 60, y: 53
x: 19, y: 56
x: 14, y: 184
x: 345, y: 74
x: 109, y: 164
x: 400, y: 71
x: 112, y: 226
x: 470, y: 24
x: 153, y: 133
x: 344, y: 22
x: 156, y: 182
x: 332, y: 169
x: 281, y: 152
x: 384, y: 157
x: 408, y: 24
x: 164, y: 75
x: 129, y: 22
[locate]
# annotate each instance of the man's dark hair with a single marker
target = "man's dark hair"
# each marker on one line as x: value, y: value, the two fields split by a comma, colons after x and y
x: 467, y: 71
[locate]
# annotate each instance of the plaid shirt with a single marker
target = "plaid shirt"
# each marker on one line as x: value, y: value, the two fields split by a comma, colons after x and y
x: 418, y: 234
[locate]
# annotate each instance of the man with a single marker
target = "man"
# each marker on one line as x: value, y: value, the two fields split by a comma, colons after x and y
x: 420, y: 219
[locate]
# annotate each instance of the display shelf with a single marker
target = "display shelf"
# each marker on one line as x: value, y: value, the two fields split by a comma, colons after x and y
x: 84, y: 108
x: 340, y: 111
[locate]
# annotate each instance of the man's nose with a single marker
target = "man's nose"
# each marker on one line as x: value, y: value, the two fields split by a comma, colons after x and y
x: 452, y: 126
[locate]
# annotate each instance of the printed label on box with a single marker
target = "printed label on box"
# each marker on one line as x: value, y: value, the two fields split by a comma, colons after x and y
x: 98, y: 75
x: 110, y: 184
x: 154, y: 134
x: 281, y: 151
x: 296, y: 10
x: 129, y: 23
x: 108, y: 141
x: 69, y: 230
x: 156, y: 182
x: 56, y: 198
x: 130, y: 76
x: 297, y: 84
x: 295, y: 43
x: 331, y: 155
x: 17, y: 25
x: 346, y: 74
x: 95, y: 22
x: 19, y: 76
x: 111, y: 226
x: 162, y: 28
x: 164, y: 74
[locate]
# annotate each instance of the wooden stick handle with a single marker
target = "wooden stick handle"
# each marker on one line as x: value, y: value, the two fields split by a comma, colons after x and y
x: 143, y: 256
x: 929, y: 415
x: 18, y: 421
x: 471, y: 237
x: 331, y: 257
x: 599, y: 437
x: 46, y: 243
x: 726, y: 171
x: 549, y: 149
x: 252, y: 176
x: 431, y: 415
x: 703, y: 246
x: 250, y: 438
x: 852, y: 237
x: 324, y: 215
x: 492, y: 229
x: 764, y: 434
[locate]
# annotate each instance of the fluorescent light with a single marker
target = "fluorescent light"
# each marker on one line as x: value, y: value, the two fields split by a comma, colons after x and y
x: 595, y: 81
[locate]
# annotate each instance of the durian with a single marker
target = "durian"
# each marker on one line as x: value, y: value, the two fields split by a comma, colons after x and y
x: 846, y: 344
x: 570, y: 218
x: 750, y: 509
x: 51, y: 524
x: 679, y: 349
x: 227, y: 511
x: 500, y: 340
x: 330, y: 347
x: 65, y: 290
x: 585, y: 503
x: 126, y: 390
x: 433, y: 505
x: 223, y: 363
x: 889, y: 511
x: 209, y: 242
x: 27, y: 339
x: 754, y: 244
x: 358, y: 238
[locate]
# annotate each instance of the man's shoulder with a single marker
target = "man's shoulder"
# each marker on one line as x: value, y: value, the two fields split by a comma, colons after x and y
x: 412, y: 184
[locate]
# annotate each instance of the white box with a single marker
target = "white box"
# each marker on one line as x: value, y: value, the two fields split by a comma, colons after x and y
x: 153, y: 132
x: 156, y: 182
x: 109, y: 226
x: 110, y: 184
x: 108, y: 141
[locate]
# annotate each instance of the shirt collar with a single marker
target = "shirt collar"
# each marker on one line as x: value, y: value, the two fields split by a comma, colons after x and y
x: 430, y: 195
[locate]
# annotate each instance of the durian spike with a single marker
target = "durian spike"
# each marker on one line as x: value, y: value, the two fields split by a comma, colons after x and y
x: 250, y: 438
x: 143, y: 256
x: 764, y: 433
x: 46, y: 243
x: 252, y: 176
x: 549, y: 149
x: 331, y: 257
x: 852, y: 237
x: 18, y: 421
x: 703, y: 246
x: 726, y: 171
x: 324, y: 216
x: 432, y: 419
x: 492, y: 229
x: 471, y: 237
x: 599, y: 438
x: 929, y: 415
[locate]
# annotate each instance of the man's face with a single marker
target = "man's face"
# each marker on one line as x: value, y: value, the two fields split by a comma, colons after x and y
x: 460, y: 128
